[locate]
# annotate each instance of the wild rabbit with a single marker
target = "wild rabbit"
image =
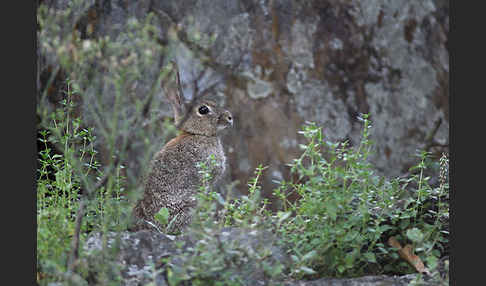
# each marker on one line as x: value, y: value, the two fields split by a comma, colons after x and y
x: 173, y: 179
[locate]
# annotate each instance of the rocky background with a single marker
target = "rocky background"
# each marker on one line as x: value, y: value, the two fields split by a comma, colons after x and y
x: 279, y: 63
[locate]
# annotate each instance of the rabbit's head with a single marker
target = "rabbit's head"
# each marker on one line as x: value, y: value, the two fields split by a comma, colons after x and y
x: 201, y: 117
x: 204, y: 117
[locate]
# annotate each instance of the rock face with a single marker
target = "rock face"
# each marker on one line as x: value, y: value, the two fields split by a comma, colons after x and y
x: 140, y: 255
x: 283, y: 62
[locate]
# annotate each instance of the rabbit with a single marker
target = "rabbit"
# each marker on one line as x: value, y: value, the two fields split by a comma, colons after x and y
x: 173, y: 179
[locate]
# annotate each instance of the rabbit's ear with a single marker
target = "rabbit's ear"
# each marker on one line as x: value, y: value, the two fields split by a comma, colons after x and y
x: 175, y: 96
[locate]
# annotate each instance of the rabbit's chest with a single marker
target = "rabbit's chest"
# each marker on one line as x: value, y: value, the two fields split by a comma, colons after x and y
x: 214, y: 158
x: 208, y: 151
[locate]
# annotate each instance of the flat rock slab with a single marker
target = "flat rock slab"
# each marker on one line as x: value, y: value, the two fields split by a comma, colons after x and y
x: 140, y: 254
x: 361, y: 281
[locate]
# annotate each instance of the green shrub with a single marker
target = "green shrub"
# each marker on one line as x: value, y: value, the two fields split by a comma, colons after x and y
x: 60, y: 186
x: 97, y: 95
x: 340, y: 225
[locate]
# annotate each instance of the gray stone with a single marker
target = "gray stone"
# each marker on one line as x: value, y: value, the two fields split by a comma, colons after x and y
x: 360, y: 281
x: 258, y: 88
x: 139, y: 255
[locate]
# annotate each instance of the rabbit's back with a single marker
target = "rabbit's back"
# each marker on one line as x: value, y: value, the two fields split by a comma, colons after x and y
x: 174, y: 177
x: 176, y: 165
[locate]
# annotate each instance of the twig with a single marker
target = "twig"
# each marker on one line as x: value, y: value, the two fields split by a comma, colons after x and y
x: 74, y: 253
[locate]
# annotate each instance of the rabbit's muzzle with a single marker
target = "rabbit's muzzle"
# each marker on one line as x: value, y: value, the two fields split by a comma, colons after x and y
x: 225, y: 120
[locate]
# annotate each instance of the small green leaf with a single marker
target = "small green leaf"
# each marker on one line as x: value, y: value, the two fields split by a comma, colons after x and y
x: 295, y: 259
x: 350, y: 258
x: 404, y: 223
x: 162, y: 216
x: 350, y: 236
x: 384, y: 228
x: 341, y: 268
x: 370, y: 257
x: 415, y: 235
x: 432, y: 262
x: 307, y: 270
x: 283, y: 216
x: 332, y: 211
x: 309, y: 255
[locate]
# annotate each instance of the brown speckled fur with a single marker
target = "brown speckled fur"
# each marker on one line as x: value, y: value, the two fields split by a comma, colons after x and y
x: 174, y: 179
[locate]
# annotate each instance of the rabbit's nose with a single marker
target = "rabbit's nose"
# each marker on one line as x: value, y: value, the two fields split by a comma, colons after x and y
x: 228, y: 117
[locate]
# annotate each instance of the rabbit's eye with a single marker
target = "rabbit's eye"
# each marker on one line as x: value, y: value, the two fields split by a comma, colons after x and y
x: 203, y: 109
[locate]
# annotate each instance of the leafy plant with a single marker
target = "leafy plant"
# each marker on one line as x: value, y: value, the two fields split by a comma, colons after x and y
x: 67, y: 158
x: 92, y: 113
x: 346, y: 211
x: 248, y: 210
